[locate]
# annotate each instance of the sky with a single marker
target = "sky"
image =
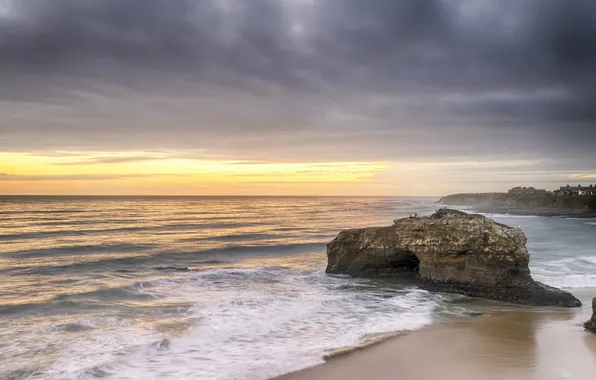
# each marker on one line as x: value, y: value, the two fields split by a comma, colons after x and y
x: 296, y: 97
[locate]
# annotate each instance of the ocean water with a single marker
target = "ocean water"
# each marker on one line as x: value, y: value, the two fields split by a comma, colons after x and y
x: 215, y: 288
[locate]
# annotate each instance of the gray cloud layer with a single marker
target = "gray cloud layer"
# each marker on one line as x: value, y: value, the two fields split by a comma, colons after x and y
x: 300, y: 79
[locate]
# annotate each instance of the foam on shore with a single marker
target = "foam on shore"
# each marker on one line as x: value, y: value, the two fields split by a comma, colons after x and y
x: 368, y: 342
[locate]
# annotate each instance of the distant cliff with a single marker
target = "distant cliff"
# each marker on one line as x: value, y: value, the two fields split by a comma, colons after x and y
x: 524, y: 203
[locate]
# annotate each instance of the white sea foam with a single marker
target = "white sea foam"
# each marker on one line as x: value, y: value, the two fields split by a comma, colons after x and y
x: 253, y: 324
x: 570, y: 272
x: 569, y: 281
x: 509, y: 216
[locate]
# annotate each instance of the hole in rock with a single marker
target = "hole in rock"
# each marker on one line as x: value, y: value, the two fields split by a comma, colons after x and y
x: 404, y: 262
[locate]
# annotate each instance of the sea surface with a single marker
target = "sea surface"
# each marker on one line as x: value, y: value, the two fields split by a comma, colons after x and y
x: 215, y: 288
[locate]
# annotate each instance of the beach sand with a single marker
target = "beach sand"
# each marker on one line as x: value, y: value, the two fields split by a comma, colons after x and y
x: 507, y: 343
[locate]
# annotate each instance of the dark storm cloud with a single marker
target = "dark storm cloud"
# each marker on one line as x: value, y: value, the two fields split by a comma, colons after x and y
x: 95, y: 37
x: 295, y: 79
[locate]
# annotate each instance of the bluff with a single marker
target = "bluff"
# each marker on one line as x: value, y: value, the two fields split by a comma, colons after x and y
x: 524, y: 203
x: 451, y: 251
x: 591, y: 324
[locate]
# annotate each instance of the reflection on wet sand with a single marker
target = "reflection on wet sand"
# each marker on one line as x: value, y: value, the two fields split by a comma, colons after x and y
x: 566, y: 350
x: 590, y: 341
x: 505, y: 343
x: 531, y: 343
x: 509, y: 340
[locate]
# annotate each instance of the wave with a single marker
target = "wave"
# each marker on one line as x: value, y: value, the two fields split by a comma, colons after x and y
x: 235, y: 237
x: 281, y: 248
x: 138, y: 295
x: 68, y: 233
x: 295, y: 321
x: 78, y: 222
x: 65, y: 211
x: 170, y: 228
x: 211, y: 262
x: 22, y: 373
x: 251, y: 237
x: 571, y: 262
x: 130, y: 292
x: 90, y: 250
x: 48, y: 307
x: 588, y: 259
x: 150, y: 255
x: 568, y: 281
x: 571, y: 272
x: 172, y: 269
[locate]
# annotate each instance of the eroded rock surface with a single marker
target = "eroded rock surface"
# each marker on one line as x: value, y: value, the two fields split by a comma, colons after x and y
x: 591, y: 324
x: 451, y: 251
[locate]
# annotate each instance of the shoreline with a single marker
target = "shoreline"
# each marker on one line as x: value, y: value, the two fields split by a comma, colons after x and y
x: 516, y: 211
x: 507, y: 342
x: 368, y: 343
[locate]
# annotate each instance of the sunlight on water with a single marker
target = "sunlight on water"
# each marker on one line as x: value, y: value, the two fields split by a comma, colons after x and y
x: 212, y: 288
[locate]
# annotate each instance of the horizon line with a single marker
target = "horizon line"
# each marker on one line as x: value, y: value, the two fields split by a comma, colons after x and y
x: 215, y: 196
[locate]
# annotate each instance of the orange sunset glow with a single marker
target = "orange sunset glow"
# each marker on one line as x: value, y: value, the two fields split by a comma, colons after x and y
x: 129, y: 173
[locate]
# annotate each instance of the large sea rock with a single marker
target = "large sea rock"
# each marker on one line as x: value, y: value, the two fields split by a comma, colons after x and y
x: 452, y: 251
x: 591, y: 324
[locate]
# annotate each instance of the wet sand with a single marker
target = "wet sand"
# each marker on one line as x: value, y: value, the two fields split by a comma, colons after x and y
x: 506, y: 343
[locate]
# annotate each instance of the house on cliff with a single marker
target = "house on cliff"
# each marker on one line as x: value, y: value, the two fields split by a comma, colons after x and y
x: 527, y: 190
x: 578, y: 190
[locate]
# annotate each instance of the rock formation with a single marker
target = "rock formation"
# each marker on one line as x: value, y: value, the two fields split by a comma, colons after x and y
x: 591, y: 324
x: 450, y: 251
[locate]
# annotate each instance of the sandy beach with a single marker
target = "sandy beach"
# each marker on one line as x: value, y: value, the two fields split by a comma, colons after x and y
x: 506, y: 343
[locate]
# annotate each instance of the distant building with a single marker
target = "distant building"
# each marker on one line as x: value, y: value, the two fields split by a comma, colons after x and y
x: 577, y: 190
x: 527, y: 190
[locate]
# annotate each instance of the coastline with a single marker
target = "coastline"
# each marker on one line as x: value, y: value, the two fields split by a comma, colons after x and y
x: 507, y: 342
x: 518, y: 211
x: 524, y: 204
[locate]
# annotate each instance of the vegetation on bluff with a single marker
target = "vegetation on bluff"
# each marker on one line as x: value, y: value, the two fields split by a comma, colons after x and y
x: 578, y: 204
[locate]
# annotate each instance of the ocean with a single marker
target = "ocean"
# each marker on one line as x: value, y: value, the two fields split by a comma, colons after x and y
x: 216, y: 287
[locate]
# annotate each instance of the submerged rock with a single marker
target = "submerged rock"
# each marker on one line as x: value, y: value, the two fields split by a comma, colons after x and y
x: 591, y: 324
x: 452, y: 251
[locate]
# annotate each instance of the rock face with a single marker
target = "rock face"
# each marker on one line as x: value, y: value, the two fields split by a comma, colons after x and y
x: 591, y: 324
x: 452, y: 252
